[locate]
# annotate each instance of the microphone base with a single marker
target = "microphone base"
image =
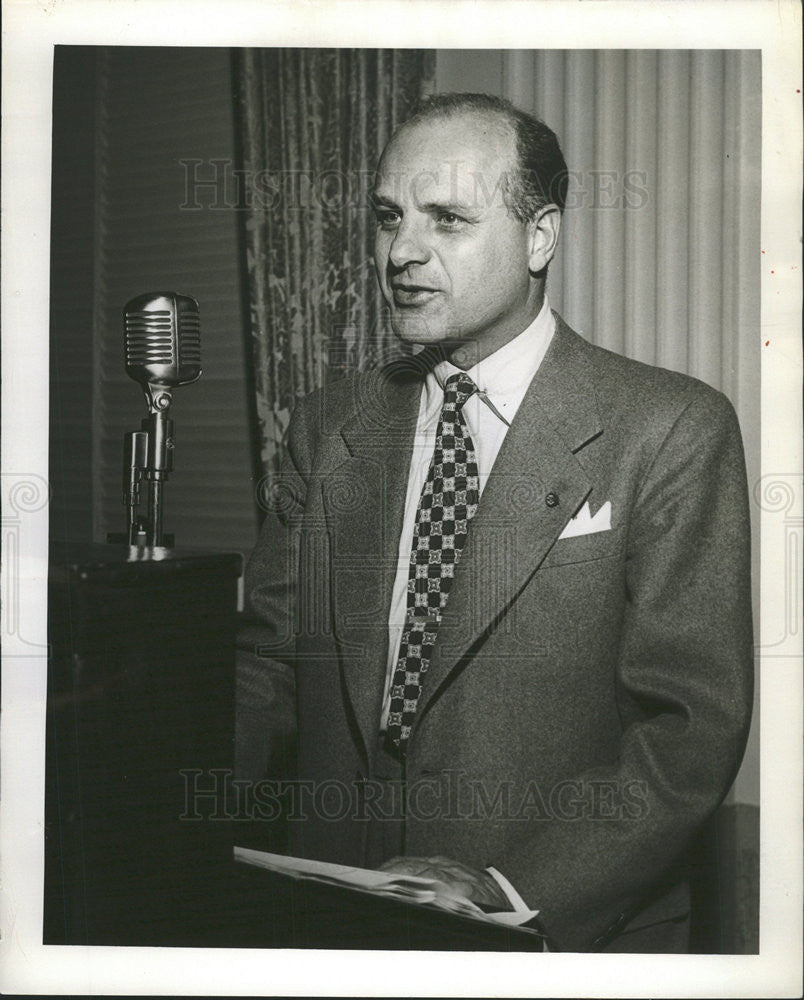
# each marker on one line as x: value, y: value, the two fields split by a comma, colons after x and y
x: 121, y: 538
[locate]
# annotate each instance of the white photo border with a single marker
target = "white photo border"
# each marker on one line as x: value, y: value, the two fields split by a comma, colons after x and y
x: 30, y: 31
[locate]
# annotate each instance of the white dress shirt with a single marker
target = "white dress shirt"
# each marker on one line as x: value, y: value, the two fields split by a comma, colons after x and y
x: 502, y: 380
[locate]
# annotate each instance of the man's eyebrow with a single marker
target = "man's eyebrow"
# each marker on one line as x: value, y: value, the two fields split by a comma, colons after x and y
x: 457, y: 206
x: 378, y: 198
x: 452, y: 205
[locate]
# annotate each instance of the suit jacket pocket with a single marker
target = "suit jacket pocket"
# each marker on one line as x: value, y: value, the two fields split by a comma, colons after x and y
x: 585, y: 548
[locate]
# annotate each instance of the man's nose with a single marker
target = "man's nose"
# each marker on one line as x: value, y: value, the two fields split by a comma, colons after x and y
x: 409, y: 246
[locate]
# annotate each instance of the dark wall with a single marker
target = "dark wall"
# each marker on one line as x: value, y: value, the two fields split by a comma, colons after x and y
x: 127, y: 121
x: 71, y: 293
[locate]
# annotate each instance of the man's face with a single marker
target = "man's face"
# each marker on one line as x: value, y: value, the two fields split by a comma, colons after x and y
x: 452, y: 263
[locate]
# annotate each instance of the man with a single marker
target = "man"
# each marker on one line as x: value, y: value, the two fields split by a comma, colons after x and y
x: 503, y: 587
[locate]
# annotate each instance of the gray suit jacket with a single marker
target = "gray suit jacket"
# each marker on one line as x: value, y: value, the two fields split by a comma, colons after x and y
x: 587, y: 706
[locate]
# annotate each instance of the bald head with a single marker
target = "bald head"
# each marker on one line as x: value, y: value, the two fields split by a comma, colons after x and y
x: 469, y: 157
x: 537, y: 175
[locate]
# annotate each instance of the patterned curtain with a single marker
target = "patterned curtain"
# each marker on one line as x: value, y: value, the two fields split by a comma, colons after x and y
x: 312, y: 123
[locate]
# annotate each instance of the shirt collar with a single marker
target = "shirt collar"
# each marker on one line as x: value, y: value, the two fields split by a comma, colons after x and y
x: 504, y: 376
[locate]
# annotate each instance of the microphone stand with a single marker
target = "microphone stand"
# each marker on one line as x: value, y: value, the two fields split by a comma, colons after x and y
x: 148, y: 455
x: 135, y: 456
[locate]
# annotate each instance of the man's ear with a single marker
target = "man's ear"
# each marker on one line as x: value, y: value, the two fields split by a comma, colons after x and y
x: 543, y: 237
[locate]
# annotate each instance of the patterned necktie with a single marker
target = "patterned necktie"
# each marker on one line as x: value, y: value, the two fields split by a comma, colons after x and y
x: 447, y: 503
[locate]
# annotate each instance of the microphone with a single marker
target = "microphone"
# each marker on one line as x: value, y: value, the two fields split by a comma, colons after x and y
x: 162, y: 341
x: 162, y: 347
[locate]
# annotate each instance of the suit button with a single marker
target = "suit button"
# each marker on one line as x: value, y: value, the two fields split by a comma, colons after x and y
x: 551, y: 499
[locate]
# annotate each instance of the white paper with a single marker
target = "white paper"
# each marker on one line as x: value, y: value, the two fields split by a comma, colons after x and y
x: 410, y: 888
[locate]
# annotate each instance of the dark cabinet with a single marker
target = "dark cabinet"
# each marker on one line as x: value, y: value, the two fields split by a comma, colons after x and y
x: 140, y: 733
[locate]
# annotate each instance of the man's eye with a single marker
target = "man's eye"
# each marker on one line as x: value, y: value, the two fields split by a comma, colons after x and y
x: 449, y: 220
x: 387, y: 218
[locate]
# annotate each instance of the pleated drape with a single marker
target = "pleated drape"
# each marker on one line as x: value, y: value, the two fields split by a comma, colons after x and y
x: 660, y: 251
x: 312, y: 124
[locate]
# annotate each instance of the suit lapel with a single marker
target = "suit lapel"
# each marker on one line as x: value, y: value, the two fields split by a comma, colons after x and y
x: 514, y: 528
x: 364, y: 498
x: 536, y: 485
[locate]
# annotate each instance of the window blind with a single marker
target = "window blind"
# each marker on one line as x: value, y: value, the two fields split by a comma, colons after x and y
x: 159, y: 110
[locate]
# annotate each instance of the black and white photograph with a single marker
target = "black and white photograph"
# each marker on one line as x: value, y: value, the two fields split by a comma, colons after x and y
x: 402, y: 500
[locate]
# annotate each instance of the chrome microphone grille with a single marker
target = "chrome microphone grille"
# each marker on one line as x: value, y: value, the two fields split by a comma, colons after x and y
x: 162, y: 333
x: 150, y: 337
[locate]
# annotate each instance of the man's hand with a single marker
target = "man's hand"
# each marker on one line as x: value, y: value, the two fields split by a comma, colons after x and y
x: 474, y: 884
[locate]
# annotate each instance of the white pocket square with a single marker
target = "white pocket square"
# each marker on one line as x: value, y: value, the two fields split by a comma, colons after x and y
x: 584, y: 524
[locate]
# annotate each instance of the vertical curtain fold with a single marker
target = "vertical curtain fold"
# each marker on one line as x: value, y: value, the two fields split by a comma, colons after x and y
x: 312, y: 123
x: 642, y: 137
x: 663, y: 149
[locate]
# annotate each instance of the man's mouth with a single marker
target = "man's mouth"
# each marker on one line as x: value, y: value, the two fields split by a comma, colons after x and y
x: 412, y: 295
